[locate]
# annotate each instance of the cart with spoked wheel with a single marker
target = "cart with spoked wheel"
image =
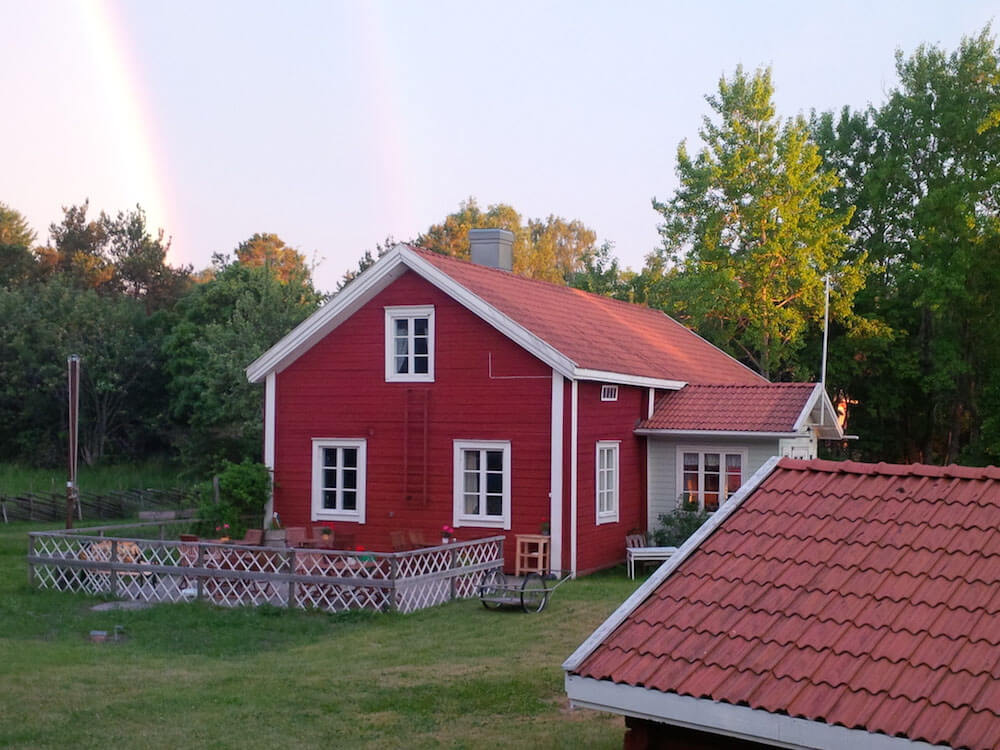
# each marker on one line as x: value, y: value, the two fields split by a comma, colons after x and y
x: 529, y: 592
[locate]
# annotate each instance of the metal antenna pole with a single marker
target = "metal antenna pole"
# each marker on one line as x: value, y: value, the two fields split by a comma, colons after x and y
x: 826, y: 333
x: 74, y: 416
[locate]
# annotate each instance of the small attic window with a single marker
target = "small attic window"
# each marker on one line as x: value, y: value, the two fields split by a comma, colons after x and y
x: 609, y: 393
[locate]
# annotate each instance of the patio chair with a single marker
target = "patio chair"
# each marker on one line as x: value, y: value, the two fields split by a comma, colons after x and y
x: 296, y: 536
x: 253, y: 537
x: 399, y: 541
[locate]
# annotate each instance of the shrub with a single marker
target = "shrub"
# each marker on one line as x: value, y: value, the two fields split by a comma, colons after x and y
x: 243, y: 490
x: 677, y: 525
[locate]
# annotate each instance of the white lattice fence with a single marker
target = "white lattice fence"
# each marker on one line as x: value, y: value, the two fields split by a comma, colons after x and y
x: 235, y: 575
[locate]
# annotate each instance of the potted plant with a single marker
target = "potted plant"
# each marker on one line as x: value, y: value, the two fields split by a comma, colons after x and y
x: 546, y: 527
x: 447, y: 534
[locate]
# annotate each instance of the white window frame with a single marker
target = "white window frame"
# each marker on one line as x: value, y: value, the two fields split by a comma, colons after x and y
x: 608, y: 515
x: 408, y: 312
x: 701, y: 450
x: 609, y: 392
x: 459, y: 516
x: 319, y: 513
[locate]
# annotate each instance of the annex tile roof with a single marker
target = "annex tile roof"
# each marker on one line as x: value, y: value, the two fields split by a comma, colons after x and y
x: 769, y: 407
x: 596, y: 332
x: 860, y: 595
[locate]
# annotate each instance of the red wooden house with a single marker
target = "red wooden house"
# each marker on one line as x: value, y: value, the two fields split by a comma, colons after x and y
x: 439, y: 392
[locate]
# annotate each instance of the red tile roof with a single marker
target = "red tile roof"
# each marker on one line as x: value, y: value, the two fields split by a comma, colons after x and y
x: 772, y: 407
x: 860, y: 595
x: 598, y: 333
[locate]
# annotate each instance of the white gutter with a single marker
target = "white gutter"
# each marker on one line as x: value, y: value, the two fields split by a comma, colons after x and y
x: 726, y: 719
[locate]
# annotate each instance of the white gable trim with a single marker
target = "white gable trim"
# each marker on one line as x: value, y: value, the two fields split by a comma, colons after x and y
x: 387, y: 269
x: 270, y: 392
x: 640, y: 594
x: 830, y: 429
x: 725, y: 718
x: 311, y: 330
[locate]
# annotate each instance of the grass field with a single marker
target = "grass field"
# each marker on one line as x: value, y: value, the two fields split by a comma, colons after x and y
x: 15, y: 479
x: 191, y: 675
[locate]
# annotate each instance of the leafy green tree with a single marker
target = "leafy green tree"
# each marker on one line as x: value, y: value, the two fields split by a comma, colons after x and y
x: 121, y: 388
x: 77, y: 250
x: 17, y: 264
x: 283, y: 262
x: 139, y: 261
x: 222, y: 326
x: 550, y: 249
x: 749, y: 231
x: 924, y: 171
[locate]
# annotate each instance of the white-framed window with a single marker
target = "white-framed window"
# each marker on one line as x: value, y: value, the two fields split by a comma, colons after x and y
x: 482, y: 483
x: 609, y: 393
x: 607, y: 481
x: 409, y: 343
x: 709, y: 476
x: 338, y: 479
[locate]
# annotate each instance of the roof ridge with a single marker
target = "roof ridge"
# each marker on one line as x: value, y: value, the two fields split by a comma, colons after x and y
x: 882, y: 468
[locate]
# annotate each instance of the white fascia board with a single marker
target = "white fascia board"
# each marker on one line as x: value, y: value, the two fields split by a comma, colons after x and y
x: 673, y: 562
x: 819, y: 396
x: 726, y: 719
x: 344, y: 304
x: 624, y: 379
x: 651, y: 432
x: 506, y: 325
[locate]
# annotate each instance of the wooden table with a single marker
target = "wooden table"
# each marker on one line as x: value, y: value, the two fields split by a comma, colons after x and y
x: 532, y: 554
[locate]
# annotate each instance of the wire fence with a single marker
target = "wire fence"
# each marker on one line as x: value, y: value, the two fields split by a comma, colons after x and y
x: 51, y: 506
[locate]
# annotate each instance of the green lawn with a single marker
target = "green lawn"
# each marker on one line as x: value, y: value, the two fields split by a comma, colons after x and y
x: 198, y: 676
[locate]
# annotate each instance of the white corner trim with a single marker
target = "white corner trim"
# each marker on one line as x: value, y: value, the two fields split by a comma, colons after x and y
x: 556, y: 474
x: 726, y: 719
x: 651, y: 406
x: 640, y: 594
x: 270, y: 391
x: 573, y: 447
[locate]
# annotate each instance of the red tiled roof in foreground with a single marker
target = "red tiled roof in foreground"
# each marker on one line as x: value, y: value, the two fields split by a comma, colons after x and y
x: 770, y: 407
x: 598, y: 333
x: 860, y: 595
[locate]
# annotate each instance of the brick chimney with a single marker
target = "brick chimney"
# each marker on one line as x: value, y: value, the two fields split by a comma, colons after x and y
x: 492, y: 247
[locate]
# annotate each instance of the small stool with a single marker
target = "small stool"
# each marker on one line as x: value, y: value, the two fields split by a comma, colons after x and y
x: 532, y: 554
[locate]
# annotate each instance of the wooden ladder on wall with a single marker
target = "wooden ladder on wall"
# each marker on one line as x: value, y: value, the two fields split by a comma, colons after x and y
x: 416, y: 426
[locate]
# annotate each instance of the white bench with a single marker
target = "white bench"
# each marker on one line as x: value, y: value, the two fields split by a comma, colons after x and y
x: 636, y: 550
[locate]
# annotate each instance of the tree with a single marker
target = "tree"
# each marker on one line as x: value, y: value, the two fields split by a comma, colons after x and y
x: 551, y: 249
x: 78, y: 250
x: 139, y: 261
x: 285, y: 263
x: 16, y: 238
x: 121, y: 391
x: 222, y: 326
x: 924, y: 171
x: 749, y: 231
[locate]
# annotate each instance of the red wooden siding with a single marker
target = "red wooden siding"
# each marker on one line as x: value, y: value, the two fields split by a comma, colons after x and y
x: 337, y: 389
x: 599, y: 546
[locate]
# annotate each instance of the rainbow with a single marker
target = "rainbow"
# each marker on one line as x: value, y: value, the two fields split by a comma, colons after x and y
x: 139, y: 168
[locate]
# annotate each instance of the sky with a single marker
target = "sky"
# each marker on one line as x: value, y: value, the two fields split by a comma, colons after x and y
x: 337, y: 124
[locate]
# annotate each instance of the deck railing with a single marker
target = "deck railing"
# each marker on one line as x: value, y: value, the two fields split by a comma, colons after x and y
x: 159, y: 570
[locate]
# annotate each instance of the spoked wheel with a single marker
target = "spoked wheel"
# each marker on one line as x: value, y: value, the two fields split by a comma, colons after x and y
x: 491, y: 588
x: 534, y: 595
